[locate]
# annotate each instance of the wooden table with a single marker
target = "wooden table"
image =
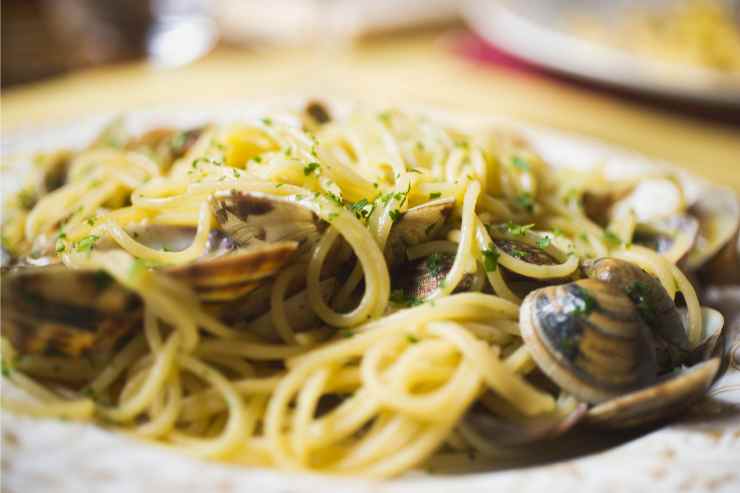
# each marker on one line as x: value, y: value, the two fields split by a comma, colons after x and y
x: 419, y: 69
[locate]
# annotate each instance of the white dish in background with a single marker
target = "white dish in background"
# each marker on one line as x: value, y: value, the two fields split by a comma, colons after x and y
x: 538, y: 32
x: 46, y: 455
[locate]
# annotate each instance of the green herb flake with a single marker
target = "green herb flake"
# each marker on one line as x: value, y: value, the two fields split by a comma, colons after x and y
x: 611, y: 238
x: 362, y: 209
x: 543, y: 242
x: 310, y: 168
x: 520, y: 163
x: 490, y: 258
x: 267, y: 121
x: 395, y: 215
x: 332, y: 216
x: 525, y: 201
x: 335, y: 198
x: 87, y: 244
x: 399, y: 297
x: 435, y: 195
x: 434, y: 263
x: 518, y: 229
x: 582, y: 302
x: 412, y: 338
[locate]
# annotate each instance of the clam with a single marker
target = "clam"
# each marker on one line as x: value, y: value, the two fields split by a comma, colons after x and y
x: 417, y: 225
x: 667, y: 398
x: 724, y: 267
x: 166, y: 144
x: 57, y: 310
x: 253, y: 217
x: 672, y: 237
x: 652, y: 302
x: 228, y: 276
x: 718, y: 213
x: 419, y: 278
x: 589, y: 338
x: 515, y: 433
x: 315, y: 114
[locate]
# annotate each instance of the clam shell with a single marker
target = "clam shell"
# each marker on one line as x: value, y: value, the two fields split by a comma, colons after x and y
x: 235, y: 274
x: 718, y: 213
x: 653, y: 303
x: 594, y: 354
x: 656, y: 402
x: 56, y: 310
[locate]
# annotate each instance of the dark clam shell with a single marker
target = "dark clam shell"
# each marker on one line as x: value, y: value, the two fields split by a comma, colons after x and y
x: 588, y: 337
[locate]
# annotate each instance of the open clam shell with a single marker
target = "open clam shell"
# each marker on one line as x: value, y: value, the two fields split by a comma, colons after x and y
x: 672, y: 237
x: 237, y: 273
x: 718, y: 213
x: 56, y: 310
x: 657, y: 402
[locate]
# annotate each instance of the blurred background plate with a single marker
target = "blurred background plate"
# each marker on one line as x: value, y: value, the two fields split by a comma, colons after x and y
x: 619, y: 42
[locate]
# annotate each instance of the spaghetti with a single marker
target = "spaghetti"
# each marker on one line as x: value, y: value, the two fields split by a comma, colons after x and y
x: 341, y: 370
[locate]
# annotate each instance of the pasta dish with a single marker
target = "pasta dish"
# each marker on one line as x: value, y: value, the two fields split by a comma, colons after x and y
x: 359, y: 293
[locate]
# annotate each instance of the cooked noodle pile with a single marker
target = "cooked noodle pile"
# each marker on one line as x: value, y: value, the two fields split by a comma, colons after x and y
x: 343, y: 371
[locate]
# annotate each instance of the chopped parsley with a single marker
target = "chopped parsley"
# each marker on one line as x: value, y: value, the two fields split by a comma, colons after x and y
x: 582, y: 302
x: 335, y: 198
x: 412, y: 338
x: 347, y: 333
x: 395, y: 215
x: 434, y: 263
x: 310, y: 168
x: 611, y: 238
x: 332, y: 216
x: 91, y: 221
x: 518, y: 229
x: 520, y: 163
x: 87, y: 244
x: 435, y: 195
x: 362, y: 209
x: 543, y: 242
x: 236, y: 173
x: 399, y: 297
x: 60, y: 246
x: 490, y: 258
x: 516, y: 253
x: 267, y: 121
x: 257, y: 159
x: 525, y: 201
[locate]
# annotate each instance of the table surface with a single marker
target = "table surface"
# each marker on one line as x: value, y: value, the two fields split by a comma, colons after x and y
x: 420, y: 69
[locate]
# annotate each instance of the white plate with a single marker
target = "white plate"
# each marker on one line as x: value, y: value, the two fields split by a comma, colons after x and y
x: 537, y: 31
x: 46, y: 456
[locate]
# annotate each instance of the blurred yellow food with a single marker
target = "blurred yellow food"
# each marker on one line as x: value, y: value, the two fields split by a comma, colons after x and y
x: 702, y: 33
